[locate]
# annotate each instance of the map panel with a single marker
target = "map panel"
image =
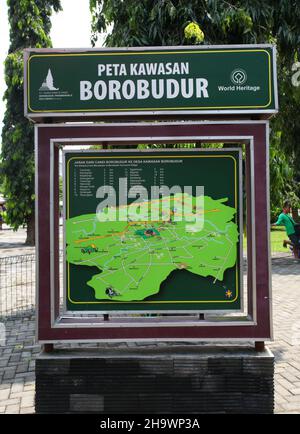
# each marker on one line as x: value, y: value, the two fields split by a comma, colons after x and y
x: 152, y: 231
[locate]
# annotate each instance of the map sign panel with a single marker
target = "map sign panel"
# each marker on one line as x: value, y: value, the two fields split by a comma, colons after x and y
x: 152, y: 231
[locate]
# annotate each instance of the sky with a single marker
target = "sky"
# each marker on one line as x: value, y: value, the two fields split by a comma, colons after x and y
x: 70, y: 29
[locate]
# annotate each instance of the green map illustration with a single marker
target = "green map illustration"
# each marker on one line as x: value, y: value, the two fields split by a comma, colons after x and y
x: 134, y: 256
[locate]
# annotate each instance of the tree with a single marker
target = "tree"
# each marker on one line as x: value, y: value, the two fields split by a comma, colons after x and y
x: 162, y: 22
x: 30, y: 26
x: 285, y: 142
x: 181, y: 22
x: 282, y: 176
x: 241, y: 21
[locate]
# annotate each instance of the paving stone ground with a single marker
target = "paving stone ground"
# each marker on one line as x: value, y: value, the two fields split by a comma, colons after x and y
x: 12, y: 242
x: 19, y: 350
x: 286, y: 344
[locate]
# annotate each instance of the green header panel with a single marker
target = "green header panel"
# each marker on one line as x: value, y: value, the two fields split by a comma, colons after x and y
x: 153, y: 81
x: 148, y: 232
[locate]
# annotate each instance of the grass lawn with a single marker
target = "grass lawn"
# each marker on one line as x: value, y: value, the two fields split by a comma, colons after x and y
x: 278, y: 234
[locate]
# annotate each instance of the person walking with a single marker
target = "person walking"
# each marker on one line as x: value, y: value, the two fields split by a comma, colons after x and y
x: 284, y: 219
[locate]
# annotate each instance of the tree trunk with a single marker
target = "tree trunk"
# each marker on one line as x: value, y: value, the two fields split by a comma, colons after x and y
x: 295, y: 214
x: 30, y: 240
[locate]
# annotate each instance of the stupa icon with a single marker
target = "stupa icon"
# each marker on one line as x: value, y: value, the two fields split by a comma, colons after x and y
x: 48, y: 82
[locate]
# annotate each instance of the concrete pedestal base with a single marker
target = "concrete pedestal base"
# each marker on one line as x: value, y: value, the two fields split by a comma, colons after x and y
x: 170, y: 379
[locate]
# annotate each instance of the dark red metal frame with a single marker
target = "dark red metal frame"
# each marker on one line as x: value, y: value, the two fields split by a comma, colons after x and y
x: 259, y: 308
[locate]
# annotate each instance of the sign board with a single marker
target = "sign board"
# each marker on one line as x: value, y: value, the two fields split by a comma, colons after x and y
x: 152, y: 231
x: 150, y: 81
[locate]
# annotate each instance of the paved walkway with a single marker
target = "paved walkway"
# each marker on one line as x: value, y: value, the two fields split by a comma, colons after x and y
x: 17, y: 377
x: 12, y: 242
x: 286, y: 345
x: 18, y: 354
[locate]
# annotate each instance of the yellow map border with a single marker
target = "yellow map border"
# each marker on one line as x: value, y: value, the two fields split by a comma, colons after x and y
x: 155, y: 302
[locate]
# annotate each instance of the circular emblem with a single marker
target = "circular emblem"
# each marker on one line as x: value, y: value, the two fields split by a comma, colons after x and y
x: 238, y: 76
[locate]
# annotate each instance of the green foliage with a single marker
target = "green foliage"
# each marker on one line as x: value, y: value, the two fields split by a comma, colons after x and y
x: 30, y: 23
x: 162, y: 22
x: 29, y: 27
x: 193, y: 32
x: 284, y: 139
x: 282, y: 181
x: 142, y: 23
